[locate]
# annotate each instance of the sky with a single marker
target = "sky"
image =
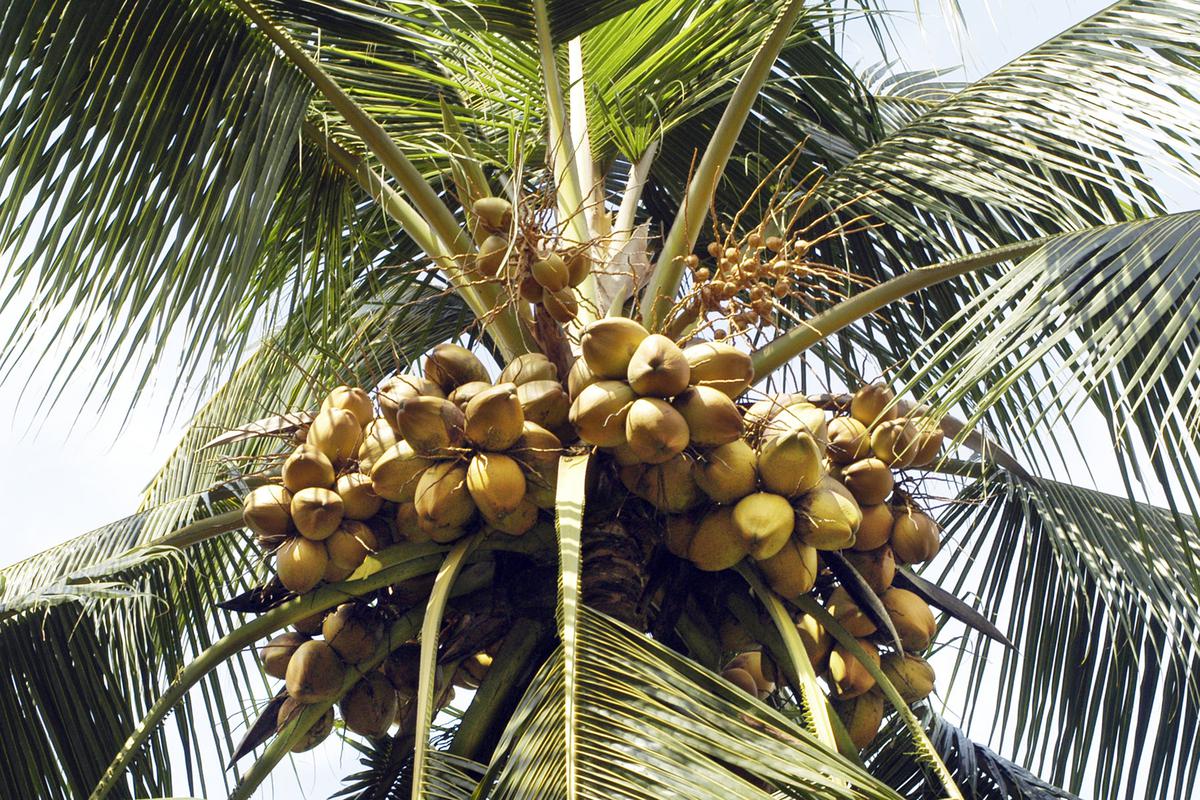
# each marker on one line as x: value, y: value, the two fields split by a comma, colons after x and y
x: 108, y: 462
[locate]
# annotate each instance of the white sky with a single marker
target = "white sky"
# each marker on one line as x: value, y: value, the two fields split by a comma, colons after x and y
x: 106, y: 466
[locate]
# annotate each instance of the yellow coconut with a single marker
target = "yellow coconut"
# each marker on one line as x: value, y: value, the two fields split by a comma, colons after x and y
x: 816, y: 640
x: 678, y: 531
x: 655, y: 431
x: 658, y: 368
x: 848, y: 614
x: 826, y: 520
x: 370, y: 706
x: 759, y: 666
x: 306, y: 467
x: 765, y: 522
x: 912, y: 617
x: 741, y: 679
x: 848, y: 677
x: 528, y: 367
x: 494, y: 418
x: 669, y: 486
x: 872, y: 404
x: 599, y: 411
x: 849, y: 440
x: 538, y: 451
x: 336, y: 433
x: 799, y: 415
x: 352, y: 399
x: 516, y: 522
x: 300, y: 564
x: 545, y: 403
x: 550, y: 272
x: 430, y: 424
x: 562, y: 306
x: 729, y: 472
x: 862, y: 717
x: 490, y: 258
x: 353, y: 631
x: 792, y: 572
x: 267, y: 511
x: 912, y: 675
x: 396, y: 473
x: 579, y: 377
x: 398, y: 388
x: 465, y: 393
x: 496, y: 483
x: 711, y: 416
x: 895, y: 442
x: 717, y: 544
x: 442, y: 499
x: 720, y: 366
x: 350, y: 544
x: 915, y: 537
x: 450, y: 365
x: 608, y: 345
x: 317, y: 512
x: 378, y: 436
x: 276, y: 653
x: 359, y: 500
x: 791, y: 463
x: 876, y: 527
x: 928, y: 443
x: 869, y: 480
x: 877, y: 567
x: 493, y: 213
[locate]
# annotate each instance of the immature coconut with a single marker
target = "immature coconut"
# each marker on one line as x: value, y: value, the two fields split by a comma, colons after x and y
x: 276, y: 653
x: 669, y: 486
x: 869, y: 480
x: 912, y: 617
x: 848, y: 614
x: 895, y: 442
x: 877, y: 567
x: 678, y: 532
x: 765, y: 522
x: 395, y: 475
x: 798, y: 415
x: 717, y: 544
x: 928, y: 443
x: 849, y: 440
x: 562, y: 305
x: 816, y: 640
x: 579, y: 264
x: 317, y: 512
x: 496, y: 483
x: 352, y: 399
x: 353, y: 631
x: 544, y: 402
x: 442, y: 499
x: 792, y: 572
x: 599, y: 411
x: 915, y: 537
x: 826, y: 520
x: 267, y: 511
x: 430, y: 424
x: 378, y: 436
x: 658, y: 368
x: 451, y: 365
x: 741, y: 679
x: 720, y: 366
x: 579, y: 377
x: 310, y: 625
x: 335, y: 573
x: 399, y: 388
x: 876, y: 527
x: 516, y: 522
x: 847, y: 675
x: 791, y: 463
x: 872, y: 404
x: 467, y: 392
x: 337, y: 433
x: 712, y: 418
x: 550, y: 272
x: 538, y: 451
x: 494, y: 213
x: 370, y: 706
x: 912, y: 675
x: 350, y: 544
x: 608, y: 345
x: 315, y: 673
x: 529, y: 289
x: 490, y: 258
x: 306, y: 467
x: 494, y: 418
x: 359, y: 500
x: 528, y: 367
x: 408, y: 524
x: 759, y: 666
x: 319, y: 732
x: 727, y: 473
x: 655, y: 431
x: 862, y: 717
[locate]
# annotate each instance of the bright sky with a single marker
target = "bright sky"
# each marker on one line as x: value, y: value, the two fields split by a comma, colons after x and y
x: 107, y: 465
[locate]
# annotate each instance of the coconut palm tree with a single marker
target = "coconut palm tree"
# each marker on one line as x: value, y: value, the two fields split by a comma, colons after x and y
x: 289, y: 187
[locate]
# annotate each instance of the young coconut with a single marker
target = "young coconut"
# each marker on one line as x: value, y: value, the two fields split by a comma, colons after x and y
x: 353, y: 632
x: 408, y: 524
x: 493, y: 213
x: 717, y: 544
x: 579, y: 264
x: 849, y: 440
x: 442, y: 501
x: 655, y: 431
x: 307, y: 467
x: 669, y: 486
x: 877, y: 567
x: 451, y: 365
x: 490, y: 258
x: 494, y: 418
x: 862, y: 716
x: 895, y: 442
x: 496, y: 484
x: 430, y: 424
x: 315, y: 673
x: 869, y: 480
x: 658, y: 368
x: 727, y: 473
x: 759, y: 666
x: 267, y: 511
x: 799, y: 415
x: 528, y: 367
x: 350, y: 545
x: 765, y: 522
x: 359, y: 500
x: 848, y: 677
x: 826, y: 520
x: 395, y: 475
x: 741, y: 679
x: 336, y: 433
x: 843, y: 608
x: 712, y: 418
x: 876, y: 527
x: 929, y: 442
x: 608, y: 344
x: 310, y: 625
x: 352, y: 399
x: 580, y: 377
x: 873, y: 404
x: 276, y: 653
x: 816, y: 640
x: 792, y: 572
x: 911, y: 675
x: 399, y: 388
x: 370, y: 706
x: 678, y: 532
x: 791, y: 464
x: 599, y: 412
x: 912, y: 617
x: 721, y: 366
x: 545, y: 403
x: 516, y: 522
x: 465, y: 393
x: 915, y: 538
x: 317, y: 512
x: 318, y: 733
x: 562, y: 306
x: 378, y: 437
x: 551, y: 272
x: 538, y: 451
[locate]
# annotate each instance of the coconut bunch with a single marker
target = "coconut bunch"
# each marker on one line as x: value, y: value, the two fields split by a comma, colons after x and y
x: 320, y: 520
x: 458, y: 449
x: 542, y: 275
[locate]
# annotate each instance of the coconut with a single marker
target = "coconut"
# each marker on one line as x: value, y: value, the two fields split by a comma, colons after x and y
x: 465, y: 393
x: 760, y: 668
x: 658, y: 368
x: 335, y: 573
x: 623, y: 455
x: 760, y: 413
x: 378, y: 436
x: 579, y: 377
x: 550, y: 272
x: 276, y: 653
x: 315, y: 673
x: 307, y: 467
x: 733, y: 637
x: 528, y: 367
x: 310, y: 625
x: 267, y: 511
x: 669, y: 486
x: 538, y: 451
x: 353, y: 632
x: 562, y: 306
x: 895, y: 442
x: 350, y: 544
x: 352, y: 399
x: 848, y: 614
x: 359, y: 500
x: 826, y: 520
x: 764, y: 521
x: 792, y: 571
x: 430, y: 424
x: 545, y: 403
x: 928, y: 443
x: 529, y: 289
x: 791, y: 464
x: 490, y: 258
x: 496, y: 484
x: 317, y: 512
x: 915, y: 537
x: 477, y: 668
x: 442, y: 498
x: 912, y: 675
x: 654, y: 430
x: 399, y: 388
x: 849, y: 440
x: 493, y: 213
x: 873, y: 404
x: 869, y: 480
x: 599, y: 411
x: 862, y: 717
x: 727, y: 473
x: 451, y: 365
x: 678, y: 532
x: 518, y: 521
x: 912, y: 617
x: 579, y: 265
x: 608, y: 345
x: 741, y: 679
x: 408, y: 524
x: 876, y: 527
x: 717, y: 544
x: 443, y: 534
x: 319, y: 732
x: 720, y: 366
x: 816, y: 640
x: 494, y: 418
x: 877, y: 567
x: 847, y: 676
x: 370, y: 706
x: 395, y: 475
x: 799, y: 415
x: 337, y: 433
x: 712, y: 418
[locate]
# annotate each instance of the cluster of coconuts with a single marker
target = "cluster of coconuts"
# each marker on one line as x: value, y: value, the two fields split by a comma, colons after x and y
x: 542, y: 275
